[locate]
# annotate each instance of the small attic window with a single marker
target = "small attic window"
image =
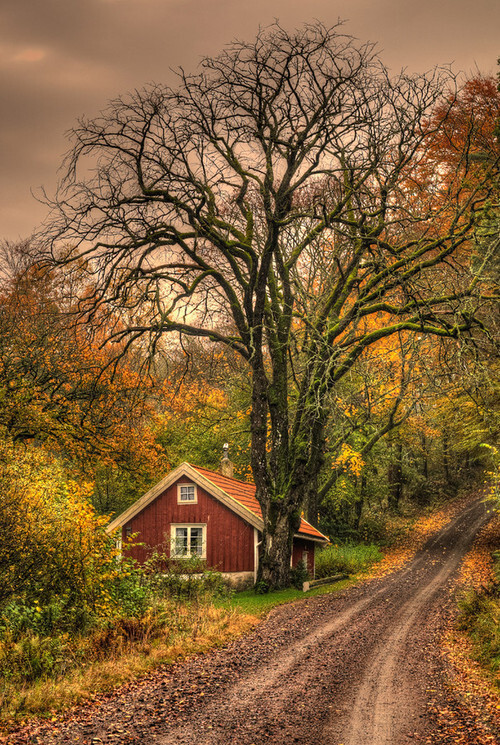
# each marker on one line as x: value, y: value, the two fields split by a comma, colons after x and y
x: 186, y: 494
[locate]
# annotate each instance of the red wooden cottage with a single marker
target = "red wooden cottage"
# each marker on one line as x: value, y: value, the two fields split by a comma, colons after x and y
x: 194, y: 511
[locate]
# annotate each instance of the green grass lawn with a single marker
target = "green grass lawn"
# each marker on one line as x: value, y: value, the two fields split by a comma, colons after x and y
x: 344, y: 558
x: 248, y: 602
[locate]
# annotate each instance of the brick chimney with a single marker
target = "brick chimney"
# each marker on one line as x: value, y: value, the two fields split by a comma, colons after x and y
x: 226, y: 466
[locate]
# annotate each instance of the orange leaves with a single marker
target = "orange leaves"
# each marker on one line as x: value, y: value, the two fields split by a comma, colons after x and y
x: 469, y: 120
x: 476, y: 685
x: 477, y: 569
x: 61, y: 382
x: 462, y: 150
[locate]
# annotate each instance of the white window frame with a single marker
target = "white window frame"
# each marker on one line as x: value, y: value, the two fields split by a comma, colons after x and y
x: 179, y: 493
x: 189, y: 526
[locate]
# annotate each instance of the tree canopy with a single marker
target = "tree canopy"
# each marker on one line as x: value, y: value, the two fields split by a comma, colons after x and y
x: 282, y: 202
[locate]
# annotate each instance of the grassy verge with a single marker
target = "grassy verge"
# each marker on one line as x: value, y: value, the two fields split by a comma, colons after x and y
x: 258, y: 605
x: 479, y: 604
x: 346, y: 558
x: 191, y: 629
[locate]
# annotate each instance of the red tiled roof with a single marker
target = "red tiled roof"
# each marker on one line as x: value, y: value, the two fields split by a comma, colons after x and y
x: 244, y: 493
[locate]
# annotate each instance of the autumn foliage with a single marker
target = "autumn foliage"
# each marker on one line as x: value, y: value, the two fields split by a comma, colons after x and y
x: 469, y: 126
x: 58, y: 568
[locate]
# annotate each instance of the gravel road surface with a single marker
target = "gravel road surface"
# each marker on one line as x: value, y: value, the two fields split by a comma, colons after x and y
x: 360, y: 667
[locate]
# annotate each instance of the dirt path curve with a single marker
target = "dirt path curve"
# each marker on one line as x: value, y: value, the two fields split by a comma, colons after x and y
x: 354, y: 668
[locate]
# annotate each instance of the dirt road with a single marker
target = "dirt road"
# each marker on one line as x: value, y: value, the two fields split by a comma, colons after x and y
x: 354, y: 668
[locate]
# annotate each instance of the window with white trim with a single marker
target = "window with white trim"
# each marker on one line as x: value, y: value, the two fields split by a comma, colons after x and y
x: 188, y: 540
x: 186, y: 494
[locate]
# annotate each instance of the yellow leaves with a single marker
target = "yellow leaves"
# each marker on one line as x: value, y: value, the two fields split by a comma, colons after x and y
x: 349, y: 460
x: 50, y: 535
x: 350, y: 411
x: 194, y: 400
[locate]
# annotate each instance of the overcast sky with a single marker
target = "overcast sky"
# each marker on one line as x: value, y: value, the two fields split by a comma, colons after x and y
x: 60, y: 59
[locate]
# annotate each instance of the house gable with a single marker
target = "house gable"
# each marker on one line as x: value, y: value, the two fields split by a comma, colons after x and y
x: 237, y: 496
x: 189, y: 473
x: 228, y: 540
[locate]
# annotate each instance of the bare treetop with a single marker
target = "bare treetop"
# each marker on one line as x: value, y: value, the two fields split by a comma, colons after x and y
x: 280, y: 201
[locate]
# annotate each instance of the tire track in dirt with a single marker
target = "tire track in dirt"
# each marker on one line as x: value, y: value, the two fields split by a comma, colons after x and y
x: 350, y: 667
x: 380, y: 712
x: 374, y: 703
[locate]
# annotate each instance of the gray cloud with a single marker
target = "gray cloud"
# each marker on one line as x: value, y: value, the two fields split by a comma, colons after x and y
x: 60, y: 59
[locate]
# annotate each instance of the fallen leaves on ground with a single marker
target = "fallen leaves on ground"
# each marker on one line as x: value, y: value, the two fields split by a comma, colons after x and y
x: 471, y: 712
x: 412, y: 541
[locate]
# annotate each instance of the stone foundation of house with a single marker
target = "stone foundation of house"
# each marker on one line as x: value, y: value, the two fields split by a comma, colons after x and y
x: 236, y: 580
x: 239, y: 580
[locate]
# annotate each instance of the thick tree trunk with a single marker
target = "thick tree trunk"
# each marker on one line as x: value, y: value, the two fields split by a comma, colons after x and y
x: 272, y: 479
x: 276, y: 551
x: 285, y: 464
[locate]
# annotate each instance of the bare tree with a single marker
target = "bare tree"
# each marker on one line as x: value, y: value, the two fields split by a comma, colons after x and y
x: 277, y: 203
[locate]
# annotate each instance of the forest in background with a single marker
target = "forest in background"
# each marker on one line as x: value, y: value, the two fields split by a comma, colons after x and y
x: 89, y: 424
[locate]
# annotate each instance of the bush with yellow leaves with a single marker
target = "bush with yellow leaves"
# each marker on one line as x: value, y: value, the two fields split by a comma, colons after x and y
x: 58, y: 568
